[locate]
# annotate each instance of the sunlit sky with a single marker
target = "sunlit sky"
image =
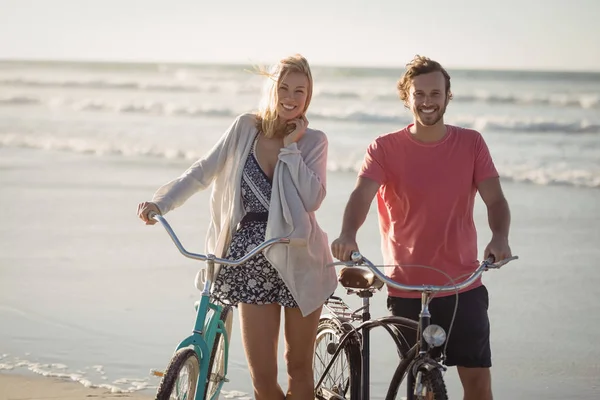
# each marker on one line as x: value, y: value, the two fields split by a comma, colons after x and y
x: 515, y: 34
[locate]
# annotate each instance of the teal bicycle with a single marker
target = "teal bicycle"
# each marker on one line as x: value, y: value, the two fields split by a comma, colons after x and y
x: 198, y: 368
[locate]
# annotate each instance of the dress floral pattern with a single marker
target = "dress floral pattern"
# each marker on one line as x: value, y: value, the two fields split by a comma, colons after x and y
x: 257, y: 281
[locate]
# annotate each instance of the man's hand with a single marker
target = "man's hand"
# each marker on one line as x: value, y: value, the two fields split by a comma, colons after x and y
x: 498, y: 248
x: 343, y: 247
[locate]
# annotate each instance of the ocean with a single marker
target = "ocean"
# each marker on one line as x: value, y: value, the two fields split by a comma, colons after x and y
x: 542, y: 126
x: 89, y: 293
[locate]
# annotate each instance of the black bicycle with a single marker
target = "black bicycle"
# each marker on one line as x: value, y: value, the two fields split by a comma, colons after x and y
x: 342, y: 351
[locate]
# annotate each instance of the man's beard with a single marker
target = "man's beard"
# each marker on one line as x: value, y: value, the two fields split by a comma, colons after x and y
x: 440, y: 114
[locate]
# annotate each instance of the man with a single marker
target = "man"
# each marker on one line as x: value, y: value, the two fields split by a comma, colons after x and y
x: 426, y: 177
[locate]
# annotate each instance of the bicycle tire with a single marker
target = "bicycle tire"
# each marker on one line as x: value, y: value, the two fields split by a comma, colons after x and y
x: 182, y: 358
x: 435, y: 382
x: 216, y: 372
x: 330, y: 389
x: 432, y: 379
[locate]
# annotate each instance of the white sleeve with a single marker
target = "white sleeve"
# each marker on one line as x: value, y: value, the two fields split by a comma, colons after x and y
x: 308, y: 171
x: 197, y: 177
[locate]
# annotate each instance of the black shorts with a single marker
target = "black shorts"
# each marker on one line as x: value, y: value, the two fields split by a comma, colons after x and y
x: 469, y: 341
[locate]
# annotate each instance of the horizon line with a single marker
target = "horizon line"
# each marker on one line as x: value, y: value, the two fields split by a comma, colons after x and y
x: 319, y: 65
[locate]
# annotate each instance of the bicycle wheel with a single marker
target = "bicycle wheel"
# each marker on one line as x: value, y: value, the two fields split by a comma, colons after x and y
x: 343, y: 378
x: 432, y: 380
x: 434, y: 383
x: 181, y: 377
x: 216, y: 365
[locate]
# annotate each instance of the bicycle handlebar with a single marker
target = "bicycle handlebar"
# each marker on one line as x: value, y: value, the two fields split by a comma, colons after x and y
x: 222, y: 261
x: 358, y: 260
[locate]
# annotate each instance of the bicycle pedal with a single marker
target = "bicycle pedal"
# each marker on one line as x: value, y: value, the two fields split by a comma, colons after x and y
x: 155, y: 372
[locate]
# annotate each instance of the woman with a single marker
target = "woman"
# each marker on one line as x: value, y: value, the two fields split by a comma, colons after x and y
x: 269, y: 173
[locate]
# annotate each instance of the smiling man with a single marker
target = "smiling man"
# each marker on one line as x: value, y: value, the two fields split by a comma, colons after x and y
x: 426, y: 177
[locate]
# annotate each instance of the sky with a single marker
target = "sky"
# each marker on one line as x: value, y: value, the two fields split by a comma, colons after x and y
x: 505, y: 34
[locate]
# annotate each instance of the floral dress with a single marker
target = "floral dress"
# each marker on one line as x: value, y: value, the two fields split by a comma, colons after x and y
x: 256, y: 281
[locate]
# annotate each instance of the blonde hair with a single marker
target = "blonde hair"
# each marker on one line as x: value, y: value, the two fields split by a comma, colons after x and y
x: 418, y: 66
x: 266, y: 117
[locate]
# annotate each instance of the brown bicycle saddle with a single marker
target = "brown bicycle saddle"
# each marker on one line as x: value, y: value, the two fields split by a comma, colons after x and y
x: 359, y: 278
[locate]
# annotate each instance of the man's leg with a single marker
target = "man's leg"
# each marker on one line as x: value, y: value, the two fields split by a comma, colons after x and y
x: 477, y: 383
x: 406, y: 308
x: 469, y: 340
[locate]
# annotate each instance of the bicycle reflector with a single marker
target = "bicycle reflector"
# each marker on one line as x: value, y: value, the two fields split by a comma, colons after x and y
x: 434, y: 335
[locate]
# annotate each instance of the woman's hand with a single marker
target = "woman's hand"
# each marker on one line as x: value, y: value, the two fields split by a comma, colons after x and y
x: 300, y: 124
x: 144, y: 210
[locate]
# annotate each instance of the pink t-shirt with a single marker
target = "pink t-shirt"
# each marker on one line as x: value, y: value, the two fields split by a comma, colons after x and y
x: 425, y: 203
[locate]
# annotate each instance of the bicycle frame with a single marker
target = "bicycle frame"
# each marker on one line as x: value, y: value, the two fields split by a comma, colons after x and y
x: 409, y: 357
x: 423, y: 347
x: 208, y: 324
x: 365, y: 327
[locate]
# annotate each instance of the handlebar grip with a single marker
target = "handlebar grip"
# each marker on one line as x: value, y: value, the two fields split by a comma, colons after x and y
x: 505, y: 261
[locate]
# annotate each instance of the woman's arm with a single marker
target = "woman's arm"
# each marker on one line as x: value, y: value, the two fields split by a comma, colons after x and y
x: 199, y: 176
x: 309, y: 169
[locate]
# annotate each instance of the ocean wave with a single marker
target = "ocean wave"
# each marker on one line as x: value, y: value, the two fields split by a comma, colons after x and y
x: 168, y: 109
x: 479, y: 123
x: 526, y: 172
x: 359, y: 116
x: 582, y: 101
x: 585, y: 101
x: 140, y: 107
x: 19, y: 100
x: 90, y: 377
x: 94, y: 377
x: 530, y: 125
x: 207, y: 85
x: 550, y: 176
x: 165, y: 109
x: 111, y: 84
x: 342, y: 94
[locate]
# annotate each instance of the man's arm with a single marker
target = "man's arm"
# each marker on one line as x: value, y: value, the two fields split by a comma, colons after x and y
x: 354, y: 216
x: 498, y: 211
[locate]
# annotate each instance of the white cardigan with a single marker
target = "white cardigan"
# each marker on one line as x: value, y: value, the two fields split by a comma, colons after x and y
x: 297, y: 192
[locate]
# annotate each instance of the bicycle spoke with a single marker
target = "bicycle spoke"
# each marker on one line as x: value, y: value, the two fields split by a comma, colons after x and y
x: 337, y: 379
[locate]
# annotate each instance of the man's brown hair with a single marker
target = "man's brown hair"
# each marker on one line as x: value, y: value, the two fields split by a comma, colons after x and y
x: 418, y: 66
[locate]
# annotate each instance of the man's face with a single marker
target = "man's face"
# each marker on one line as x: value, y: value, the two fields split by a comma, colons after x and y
x: 428, y: 99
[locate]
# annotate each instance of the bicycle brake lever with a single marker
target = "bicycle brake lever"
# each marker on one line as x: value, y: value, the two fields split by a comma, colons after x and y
x: 356, y: 257
x: 355, y: 260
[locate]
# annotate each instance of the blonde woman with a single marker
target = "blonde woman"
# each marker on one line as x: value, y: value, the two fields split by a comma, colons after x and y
x: 268, y: 173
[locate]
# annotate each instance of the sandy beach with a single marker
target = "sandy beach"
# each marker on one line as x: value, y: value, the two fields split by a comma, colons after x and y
x: 18, y: 387
x: 87, y: 290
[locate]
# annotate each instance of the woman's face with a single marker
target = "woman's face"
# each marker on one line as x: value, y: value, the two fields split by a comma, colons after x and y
x: 291, y: 95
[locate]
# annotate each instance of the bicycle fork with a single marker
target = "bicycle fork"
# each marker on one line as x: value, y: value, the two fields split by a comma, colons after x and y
x: 415, y: 381
x: 424, y: 321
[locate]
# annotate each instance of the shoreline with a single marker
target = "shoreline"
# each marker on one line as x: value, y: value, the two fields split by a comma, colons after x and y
x: 32, y: 387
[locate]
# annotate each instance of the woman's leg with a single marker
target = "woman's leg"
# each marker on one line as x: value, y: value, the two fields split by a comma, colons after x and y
x: 260, y: 335
x: 300, y: 333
